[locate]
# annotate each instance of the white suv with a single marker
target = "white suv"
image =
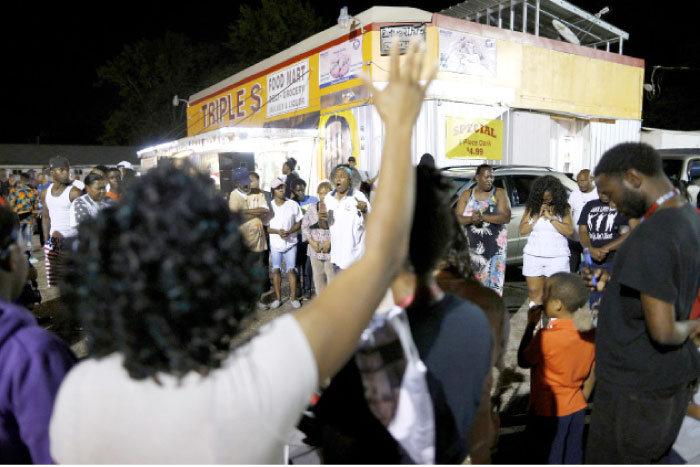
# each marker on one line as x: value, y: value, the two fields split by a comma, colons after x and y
x: 516, y: 181
x: 683, y: 164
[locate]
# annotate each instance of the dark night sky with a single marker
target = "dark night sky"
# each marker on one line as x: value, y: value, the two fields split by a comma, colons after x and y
x: 50, y: 53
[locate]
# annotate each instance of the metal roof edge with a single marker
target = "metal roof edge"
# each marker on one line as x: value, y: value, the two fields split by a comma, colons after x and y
x: 376, y: 14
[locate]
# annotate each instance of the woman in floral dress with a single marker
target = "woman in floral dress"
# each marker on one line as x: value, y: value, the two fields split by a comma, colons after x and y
x: 484, y: 213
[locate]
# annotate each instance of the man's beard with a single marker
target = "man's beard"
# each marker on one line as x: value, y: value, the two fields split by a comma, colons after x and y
x: 633, y: 204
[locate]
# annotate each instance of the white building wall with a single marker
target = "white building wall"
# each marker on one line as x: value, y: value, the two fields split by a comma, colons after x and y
x: 604, y: 136
x: 670, y: 139
x: 528, y: 136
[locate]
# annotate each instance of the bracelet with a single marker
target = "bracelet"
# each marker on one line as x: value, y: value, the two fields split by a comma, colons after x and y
x: 531, y: 221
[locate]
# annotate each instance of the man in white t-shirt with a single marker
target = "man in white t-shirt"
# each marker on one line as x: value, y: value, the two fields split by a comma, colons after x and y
x: 346, y: 211
x: 577, y: 200
x: 161, y: 385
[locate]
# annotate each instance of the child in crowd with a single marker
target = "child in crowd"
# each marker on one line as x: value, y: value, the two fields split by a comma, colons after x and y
x: 303, y: 261
x: 314, y: 230
x: 561, y: 361
x: 285, y: 222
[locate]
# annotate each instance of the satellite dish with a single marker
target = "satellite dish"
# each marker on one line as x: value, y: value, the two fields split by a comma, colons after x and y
x: 565, y: 32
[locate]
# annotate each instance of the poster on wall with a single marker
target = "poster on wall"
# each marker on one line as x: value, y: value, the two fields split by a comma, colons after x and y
x: 288, y: 89
x: 467, y: 54
x: 340, y: 140
x: 340, y: 63
x: 473, y: 138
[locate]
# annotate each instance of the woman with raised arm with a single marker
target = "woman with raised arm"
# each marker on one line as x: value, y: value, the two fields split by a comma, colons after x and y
x: 164, y: 288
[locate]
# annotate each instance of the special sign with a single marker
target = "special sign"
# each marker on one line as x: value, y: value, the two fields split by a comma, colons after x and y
x: 474, y: 138
x: 288, y: 89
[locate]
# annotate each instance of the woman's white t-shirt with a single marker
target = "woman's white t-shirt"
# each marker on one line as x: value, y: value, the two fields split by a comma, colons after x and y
x: 242, y: 413
x: 283, y: 218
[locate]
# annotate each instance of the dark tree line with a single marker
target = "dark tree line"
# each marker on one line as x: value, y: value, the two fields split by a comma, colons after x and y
x: 147, y: 74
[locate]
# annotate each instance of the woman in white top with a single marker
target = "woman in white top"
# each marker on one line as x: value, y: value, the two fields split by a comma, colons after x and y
x: 548, y: 220
x: 166, y: 290
x: 89, y: 204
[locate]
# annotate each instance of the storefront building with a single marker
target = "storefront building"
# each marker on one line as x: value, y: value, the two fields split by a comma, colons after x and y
x: 503, y: 94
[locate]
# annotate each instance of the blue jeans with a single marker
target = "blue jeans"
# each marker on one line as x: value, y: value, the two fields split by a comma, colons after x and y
x: 557, y: 440
x: 290, y: 258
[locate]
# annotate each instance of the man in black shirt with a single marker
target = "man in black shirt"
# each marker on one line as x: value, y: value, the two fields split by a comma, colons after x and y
x: 645, y: 363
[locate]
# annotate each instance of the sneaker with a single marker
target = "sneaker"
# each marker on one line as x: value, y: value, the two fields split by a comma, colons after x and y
x: 296, y: 304
x: 275, y: 304
x: 262, y: 306
x: 33, y: 260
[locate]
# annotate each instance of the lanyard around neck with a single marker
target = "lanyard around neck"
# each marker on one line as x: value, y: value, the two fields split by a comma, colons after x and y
x: 662, y: 199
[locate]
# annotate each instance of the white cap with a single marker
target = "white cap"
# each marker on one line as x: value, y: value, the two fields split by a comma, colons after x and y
x: 125, y: 164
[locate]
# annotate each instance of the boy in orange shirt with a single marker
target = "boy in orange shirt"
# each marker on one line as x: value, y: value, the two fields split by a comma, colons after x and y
x: 561, y: 361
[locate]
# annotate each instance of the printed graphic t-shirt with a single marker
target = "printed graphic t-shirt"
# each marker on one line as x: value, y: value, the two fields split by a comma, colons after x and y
x: 604, y: 223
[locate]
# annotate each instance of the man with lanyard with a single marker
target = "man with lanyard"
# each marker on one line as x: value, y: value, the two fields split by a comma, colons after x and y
x: 577, y: 200
x: 646, y: 365
x: 345, y: 209
x: 23, y: 199
x: 56, y: 200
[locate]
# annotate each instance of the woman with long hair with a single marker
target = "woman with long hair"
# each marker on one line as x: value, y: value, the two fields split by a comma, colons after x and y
x: 548, y: 220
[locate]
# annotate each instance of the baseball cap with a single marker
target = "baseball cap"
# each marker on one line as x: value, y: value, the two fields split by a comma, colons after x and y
x: 58, y: 162
x: 275, y: 183
x: 241, y: 176
x: 125, y: 164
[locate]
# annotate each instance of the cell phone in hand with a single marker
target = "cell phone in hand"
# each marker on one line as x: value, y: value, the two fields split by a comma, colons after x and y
x: 589, y: 264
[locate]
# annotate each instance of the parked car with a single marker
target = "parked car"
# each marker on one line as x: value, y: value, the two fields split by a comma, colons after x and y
x: 683, y: 164
x: 516, y: 181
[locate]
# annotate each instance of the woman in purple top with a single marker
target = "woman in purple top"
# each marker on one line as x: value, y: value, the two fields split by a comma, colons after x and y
x: 314, y: 229
x: 33, y: 361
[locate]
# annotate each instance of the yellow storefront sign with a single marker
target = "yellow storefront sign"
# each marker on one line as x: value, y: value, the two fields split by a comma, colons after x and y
x: 474, y: 138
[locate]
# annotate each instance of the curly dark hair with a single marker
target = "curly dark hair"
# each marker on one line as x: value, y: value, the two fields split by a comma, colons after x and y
x: 560, y: 198
x: 433, y: 225
x: 163, y: 277
x: 457, y: 258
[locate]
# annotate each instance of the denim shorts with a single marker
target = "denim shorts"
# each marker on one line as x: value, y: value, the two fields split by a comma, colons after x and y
x: 290, y: 258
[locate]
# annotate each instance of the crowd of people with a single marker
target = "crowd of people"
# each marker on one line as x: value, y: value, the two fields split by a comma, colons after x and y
x: 391, y: 361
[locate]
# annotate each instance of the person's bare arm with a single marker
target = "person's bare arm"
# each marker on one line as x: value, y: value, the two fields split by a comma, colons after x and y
x: 589, y: 384
x: 295, y: 228
x: 661, y: 322
x: 334, y: 320
x: 527, y: 222
x: 503, y: 216
x: 597, y: 254
x: 46, y: 217
x: 693, y: 411
x: 256, y: 212
x: 461, y: 206
x: 564, y: 226
x: 74, y: 193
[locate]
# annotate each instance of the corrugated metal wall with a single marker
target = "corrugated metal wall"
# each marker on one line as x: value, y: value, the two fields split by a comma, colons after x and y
x: 604, y: 136
x: 528, y: 137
